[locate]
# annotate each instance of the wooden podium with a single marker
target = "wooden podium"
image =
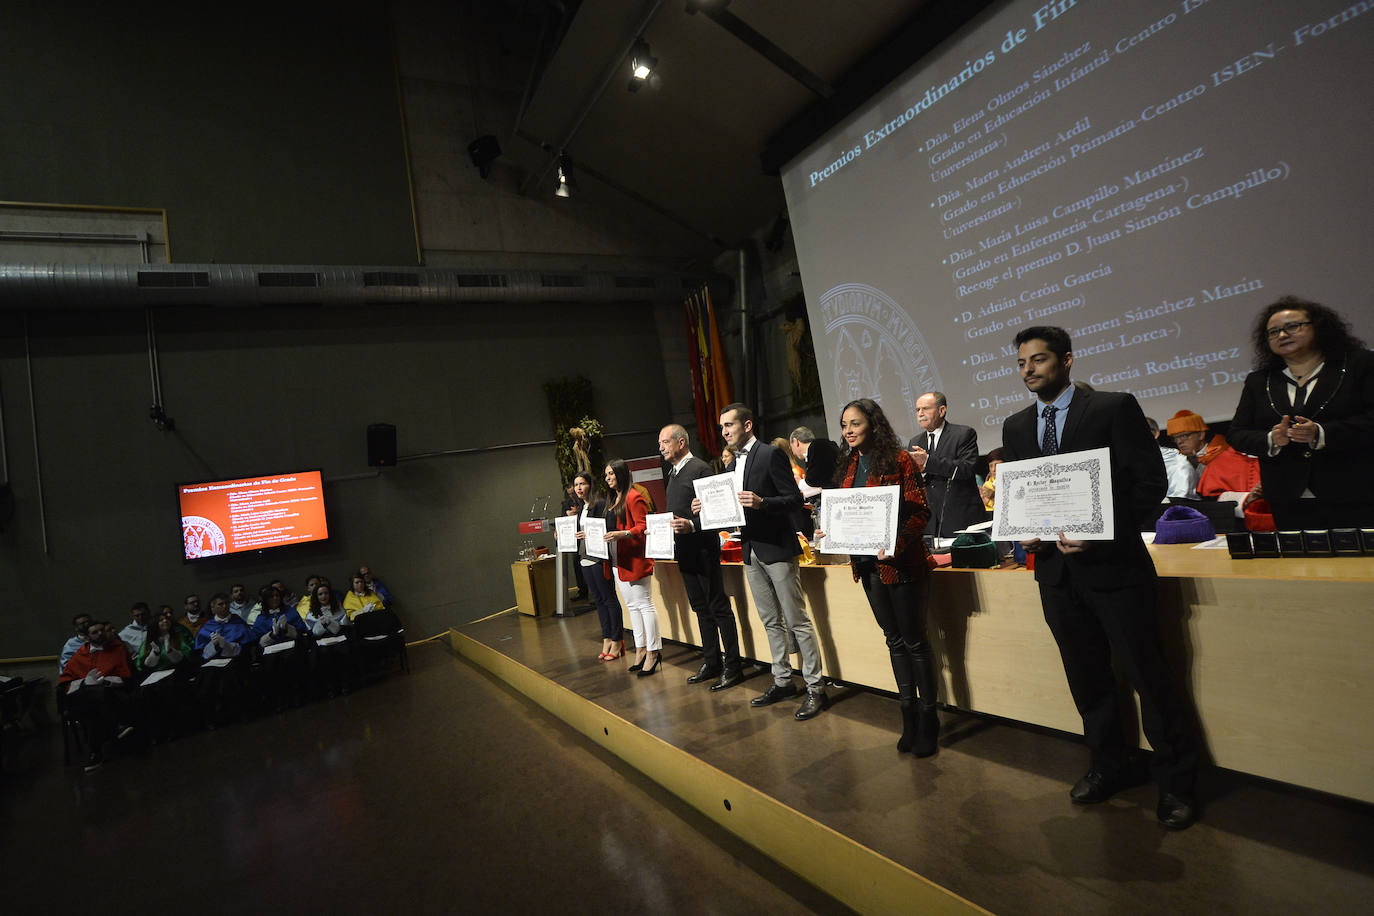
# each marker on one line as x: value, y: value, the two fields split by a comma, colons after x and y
x: 535, y: 590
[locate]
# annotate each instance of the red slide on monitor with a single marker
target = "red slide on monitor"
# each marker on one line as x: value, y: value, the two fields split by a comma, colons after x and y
x: 252, y: 513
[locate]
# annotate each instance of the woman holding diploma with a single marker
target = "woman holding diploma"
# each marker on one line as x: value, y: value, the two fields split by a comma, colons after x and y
x: 590, y: 504
x: 897, y: 586
x: 625, y: 527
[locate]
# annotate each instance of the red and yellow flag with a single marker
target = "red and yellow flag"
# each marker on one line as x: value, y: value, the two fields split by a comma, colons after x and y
x: 712, y: 387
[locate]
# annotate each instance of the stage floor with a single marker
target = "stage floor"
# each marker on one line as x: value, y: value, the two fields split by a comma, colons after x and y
x: 988, y: 817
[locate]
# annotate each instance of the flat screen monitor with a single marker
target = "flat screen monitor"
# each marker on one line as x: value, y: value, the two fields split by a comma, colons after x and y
x: 220, y: 517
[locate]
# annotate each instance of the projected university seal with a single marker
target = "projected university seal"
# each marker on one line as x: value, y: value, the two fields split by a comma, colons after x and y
x: 876, y: 351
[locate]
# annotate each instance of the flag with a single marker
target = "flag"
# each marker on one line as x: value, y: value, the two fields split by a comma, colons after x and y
x: 712, y: 387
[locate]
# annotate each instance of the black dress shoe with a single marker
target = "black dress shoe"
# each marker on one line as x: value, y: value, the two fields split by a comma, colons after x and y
x: 1096, y: 786
x: 773, y: 694
x: 1177, y: 812
x: 728, y: 678
x: 707, y: 672
x: 815, y: 701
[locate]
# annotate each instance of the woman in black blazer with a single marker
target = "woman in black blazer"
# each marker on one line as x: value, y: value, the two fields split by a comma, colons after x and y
x: 1307, y: 413
x: 602, y: 591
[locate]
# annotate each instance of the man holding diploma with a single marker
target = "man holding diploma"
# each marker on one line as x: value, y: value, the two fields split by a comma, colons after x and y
x: 698, y: 559
x: 768, y: 492
x: 1099, y: 597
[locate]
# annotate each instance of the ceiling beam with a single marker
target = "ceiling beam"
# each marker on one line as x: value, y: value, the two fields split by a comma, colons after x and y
x: 775, y: 55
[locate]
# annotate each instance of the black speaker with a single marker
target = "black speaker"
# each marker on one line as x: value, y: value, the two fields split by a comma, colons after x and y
x: 381, y: 445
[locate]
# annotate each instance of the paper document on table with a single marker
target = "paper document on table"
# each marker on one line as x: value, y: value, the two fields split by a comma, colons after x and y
x: 860, y: 521
x: 594, y: 536
x: 217, y: 663
x: 277, y: 647
x: 1042, y: 497
x: 658, y: 536
x: 156, y: 676
x: 566, y: 530
x: 719, y: 497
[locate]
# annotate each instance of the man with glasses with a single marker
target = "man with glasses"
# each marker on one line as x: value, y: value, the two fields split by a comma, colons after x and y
x: 1224, y: 470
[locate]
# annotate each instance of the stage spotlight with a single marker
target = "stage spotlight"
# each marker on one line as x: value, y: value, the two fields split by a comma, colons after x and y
x: 484, y: 151
x: 642, y: 63
x: 566, y: 182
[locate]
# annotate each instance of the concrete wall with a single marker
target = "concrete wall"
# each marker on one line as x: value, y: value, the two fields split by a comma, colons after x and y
x: 255, y: 391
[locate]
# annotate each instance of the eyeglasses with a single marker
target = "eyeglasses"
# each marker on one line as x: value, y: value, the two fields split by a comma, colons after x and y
x: 1290, y: 329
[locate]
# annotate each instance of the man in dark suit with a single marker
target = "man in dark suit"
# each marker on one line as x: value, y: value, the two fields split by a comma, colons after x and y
x: 1099, y: 597
x: 946, y: 454
x: 698, y: 559
x: 768, y: 492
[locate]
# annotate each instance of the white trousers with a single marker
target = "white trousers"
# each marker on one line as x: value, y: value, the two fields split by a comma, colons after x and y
x: 643, y: 616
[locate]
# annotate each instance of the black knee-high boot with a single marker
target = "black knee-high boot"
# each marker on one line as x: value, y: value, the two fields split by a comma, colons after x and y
x: 928, y: 719
x: 906, y: 689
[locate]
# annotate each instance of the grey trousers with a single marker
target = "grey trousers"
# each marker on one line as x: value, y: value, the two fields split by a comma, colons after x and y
x: 777, y: 595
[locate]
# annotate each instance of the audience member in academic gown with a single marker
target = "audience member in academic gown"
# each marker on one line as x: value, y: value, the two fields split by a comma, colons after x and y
x: 281, y: 673
x: 168, y: 647
x: 1220, y: 468
x: 102, y: 703
x: 80, y: 622
x: 222, y: 637
x: 238, y: 601
x: 361, y: 598
x: 374, y: 583
x: 135, y: 633
x: 193, y: 619
x: 325, y: 619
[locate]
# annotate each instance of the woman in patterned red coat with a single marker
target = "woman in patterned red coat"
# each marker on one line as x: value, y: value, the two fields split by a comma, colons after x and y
x: 897, y: 586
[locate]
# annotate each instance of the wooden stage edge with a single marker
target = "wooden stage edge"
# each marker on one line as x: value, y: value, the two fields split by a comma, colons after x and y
x: 848, y: 871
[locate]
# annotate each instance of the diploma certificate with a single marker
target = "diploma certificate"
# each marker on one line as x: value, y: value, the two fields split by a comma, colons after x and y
x: 565, y: 527
x: 860, y: 521
x: 719, y: 497
x: 1040, y: 497
x: 594, y: 536
x: 658, y: 536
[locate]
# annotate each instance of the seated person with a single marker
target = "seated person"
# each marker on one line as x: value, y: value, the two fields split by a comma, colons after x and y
x: 222, y: 636
x: 103, y: 671
x: 1179, y: 472
x: 238, y: 601
x: 135, y: 633
x: 361, y: 598
x: 167, y: 646
x: 374, y: 583
x: 1224, y: 470
x: 280, y: 677
x: 193, y: 619
x: 80, y: 622
x: 325, y: 618
x: 288, y: 598
x: 275, y: 622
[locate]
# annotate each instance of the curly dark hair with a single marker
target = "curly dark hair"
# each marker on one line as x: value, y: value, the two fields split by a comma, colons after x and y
x: 1332, y: 333
x: 885, y: 444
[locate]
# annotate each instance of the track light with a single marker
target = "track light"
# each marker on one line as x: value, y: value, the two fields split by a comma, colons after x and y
x: 642, y: 64
x: 566, y: 182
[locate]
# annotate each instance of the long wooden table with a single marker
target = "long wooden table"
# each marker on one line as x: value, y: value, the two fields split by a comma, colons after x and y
x: 1278, y: 654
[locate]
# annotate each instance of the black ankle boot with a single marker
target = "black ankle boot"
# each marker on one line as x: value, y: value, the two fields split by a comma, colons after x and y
x: 910, y: 727
x: 928, y: 732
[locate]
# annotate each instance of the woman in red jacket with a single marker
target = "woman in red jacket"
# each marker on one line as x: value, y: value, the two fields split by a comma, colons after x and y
x: 897, y: 586
x: 625, y: 527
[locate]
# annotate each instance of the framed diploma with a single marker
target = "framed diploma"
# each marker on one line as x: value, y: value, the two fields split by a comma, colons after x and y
x: 861, y: 521
x: 565, y: 527
x: 594, y: 536
x: 1040, y: 497
x: 719, y: 497
x: 658, y: 536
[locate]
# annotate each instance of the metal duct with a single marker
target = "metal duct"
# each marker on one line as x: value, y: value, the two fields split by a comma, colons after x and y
x: 96, y: 286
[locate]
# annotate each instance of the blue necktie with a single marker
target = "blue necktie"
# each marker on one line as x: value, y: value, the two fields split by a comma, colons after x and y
x: 1049, y: 445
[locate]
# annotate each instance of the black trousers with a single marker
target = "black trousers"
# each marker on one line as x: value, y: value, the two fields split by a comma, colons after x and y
x: 602, y: 592
x: 900, y: 610
x: 700, y: 568
x: 1100, y: 631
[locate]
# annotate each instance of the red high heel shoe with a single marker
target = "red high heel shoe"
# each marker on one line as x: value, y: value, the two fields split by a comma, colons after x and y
x: 620, y: 650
